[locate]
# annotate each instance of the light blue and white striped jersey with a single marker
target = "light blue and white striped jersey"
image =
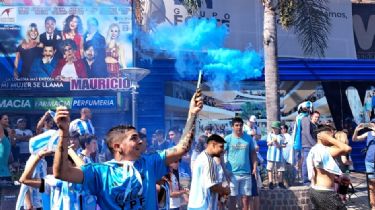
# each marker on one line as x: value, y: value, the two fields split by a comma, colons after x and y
x: 88, y: 200
x: 63, y: 195
x: 48, y: 139
x: 36, y: 197
x: 82, y: 127
x: 275, y: 153
x: 205, y: 174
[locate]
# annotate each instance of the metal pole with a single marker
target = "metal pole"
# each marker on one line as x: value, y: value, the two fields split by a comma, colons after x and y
x: 134, y: 105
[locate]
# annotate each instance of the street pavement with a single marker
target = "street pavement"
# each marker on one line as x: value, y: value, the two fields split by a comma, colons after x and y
x: 359, y: 199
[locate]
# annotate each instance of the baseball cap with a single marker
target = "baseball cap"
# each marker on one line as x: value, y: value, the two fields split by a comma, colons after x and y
x: 307, y: 105
x: 253, y: 118
x: 208, y: 127
x: 159, y: 132
x: 21, y: 120
x: 276, y: 124
x: 217, y: 138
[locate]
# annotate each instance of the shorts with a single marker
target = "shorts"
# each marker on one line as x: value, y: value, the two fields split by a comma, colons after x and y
x: 370, y: 169
x: 280, y: 166
x: 241, y: 185
x: 326, y: 200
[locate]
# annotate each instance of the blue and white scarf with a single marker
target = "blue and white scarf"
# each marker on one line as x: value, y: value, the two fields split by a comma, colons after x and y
x: 297, y: 137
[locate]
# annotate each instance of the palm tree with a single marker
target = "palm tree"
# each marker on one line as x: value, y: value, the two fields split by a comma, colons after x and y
x: 311, y: 23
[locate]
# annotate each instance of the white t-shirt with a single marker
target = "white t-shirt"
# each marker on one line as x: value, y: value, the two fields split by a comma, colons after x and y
x: 205, y: 174
x: 248, y: 130
x: 69, y: 70
x: 176, y: 201
x: 23, y: 145
x: 289, y: 145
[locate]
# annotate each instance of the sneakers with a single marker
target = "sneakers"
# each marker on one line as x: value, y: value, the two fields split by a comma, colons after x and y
x: 270, y: 185
x: 281, y: 185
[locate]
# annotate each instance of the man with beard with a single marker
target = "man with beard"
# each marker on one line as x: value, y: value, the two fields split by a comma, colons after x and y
x: 44, y: 66
x: 95, y: 68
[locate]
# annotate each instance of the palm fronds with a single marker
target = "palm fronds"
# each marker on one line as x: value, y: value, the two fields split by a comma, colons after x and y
x: 312, y: 26
x: 191, y: 5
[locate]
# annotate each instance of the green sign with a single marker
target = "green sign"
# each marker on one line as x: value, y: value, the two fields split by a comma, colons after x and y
x: 52, y: 103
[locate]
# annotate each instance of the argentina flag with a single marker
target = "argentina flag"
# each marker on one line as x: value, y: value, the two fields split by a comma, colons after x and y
x: 48, y: 139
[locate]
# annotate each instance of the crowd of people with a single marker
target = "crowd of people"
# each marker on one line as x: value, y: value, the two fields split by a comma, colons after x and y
x: 70, y: 53
x: 215, y: 171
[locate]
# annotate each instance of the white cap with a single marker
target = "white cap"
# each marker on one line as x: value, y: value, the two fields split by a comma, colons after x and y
x: 253, y: 118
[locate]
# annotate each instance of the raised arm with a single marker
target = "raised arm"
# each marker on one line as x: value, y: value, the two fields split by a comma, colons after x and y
x: 76, y: 159
x: 61, y: 167
x: 355, y: 136
x: 338, y: 148
x: 39, y: 126
x: 183, y: 146
x: 26, y: 177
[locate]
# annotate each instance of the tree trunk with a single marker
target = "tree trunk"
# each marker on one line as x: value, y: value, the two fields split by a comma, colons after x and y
x: 270, y: 59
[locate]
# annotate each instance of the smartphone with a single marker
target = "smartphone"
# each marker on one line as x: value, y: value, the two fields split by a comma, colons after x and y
x: 52, y: 113
x: 366, y: 125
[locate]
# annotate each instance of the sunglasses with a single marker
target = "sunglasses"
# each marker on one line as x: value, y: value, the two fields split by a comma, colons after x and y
x: 67, y: 49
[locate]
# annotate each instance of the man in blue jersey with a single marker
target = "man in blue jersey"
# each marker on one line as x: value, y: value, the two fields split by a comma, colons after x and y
x: 129, y: 180
x: 241, y: 163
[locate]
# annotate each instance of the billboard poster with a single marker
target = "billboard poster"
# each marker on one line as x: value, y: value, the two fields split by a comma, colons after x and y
x: 60, y: 48
x: 244, y: 20
x: 364, y: 30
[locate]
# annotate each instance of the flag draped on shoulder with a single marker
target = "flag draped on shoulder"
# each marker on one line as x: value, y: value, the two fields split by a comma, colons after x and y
x: 48, y: 139
x: 297, y: 137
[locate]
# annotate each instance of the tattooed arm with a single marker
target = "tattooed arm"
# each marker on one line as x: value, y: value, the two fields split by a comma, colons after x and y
x: 183, y: 146
x: 61, y: 167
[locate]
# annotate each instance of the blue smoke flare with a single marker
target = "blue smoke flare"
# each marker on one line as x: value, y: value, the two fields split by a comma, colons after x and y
x: 198, y: 44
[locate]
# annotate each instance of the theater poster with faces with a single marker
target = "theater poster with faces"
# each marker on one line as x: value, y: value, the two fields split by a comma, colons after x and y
x: 65, y: 48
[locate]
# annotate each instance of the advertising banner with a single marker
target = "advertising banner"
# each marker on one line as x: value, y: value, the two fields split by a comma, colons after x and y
x: 245, y: 22
x: 364, y: 30
x: 102, y: 102
x: 45, y: 103
x: 16, y: 104
x: 52, y: 103
x: 46, y: 48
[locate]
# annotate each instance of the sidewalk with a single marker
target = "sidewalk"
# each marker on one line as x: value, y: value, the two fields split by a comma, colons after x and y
x: 358, y: 200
